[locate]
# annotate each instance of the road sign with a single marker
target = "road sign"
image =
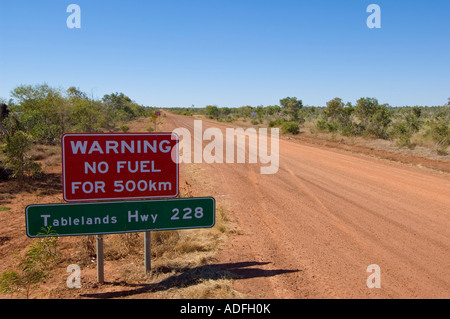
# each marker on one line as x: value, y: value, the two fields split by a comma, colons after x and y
x: 103, y: 167
x: 100, y: 218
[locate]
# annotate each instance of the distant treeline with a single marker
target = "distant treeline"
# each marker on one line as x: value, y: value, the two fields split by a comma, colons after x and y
x: 406, y: 125
x: 41, y: 114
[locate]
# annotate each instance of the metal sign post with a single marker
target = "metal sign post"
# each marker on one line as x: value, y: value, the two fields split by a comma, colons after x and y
x: 148, y: 252
x: 100, y: 260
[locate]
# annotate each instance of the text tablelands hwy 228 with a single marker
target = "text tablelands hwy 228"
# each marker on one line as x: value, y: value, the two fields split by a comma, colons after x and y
x: 119, y: 217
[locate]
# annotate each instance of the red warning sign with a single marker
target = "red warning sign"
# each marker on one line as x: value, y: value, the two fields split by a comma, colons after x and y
x: 119, y: 166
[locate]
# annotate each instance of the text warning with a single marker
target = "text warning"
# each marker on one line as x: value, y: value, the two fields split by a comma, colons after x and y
x: 101, y: 166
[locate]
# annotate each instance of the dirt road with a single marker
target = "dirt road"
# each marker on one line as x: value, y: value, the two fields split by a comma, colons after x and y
x: 312, y: 229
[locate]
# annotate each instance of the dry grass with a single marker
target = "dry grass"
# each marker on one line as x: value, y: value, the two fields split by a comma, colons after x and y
x: 183, y: 263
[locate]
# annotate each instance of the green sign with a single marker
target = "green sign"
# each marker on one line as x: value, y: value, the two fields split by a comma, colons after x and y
x: 119, y: 217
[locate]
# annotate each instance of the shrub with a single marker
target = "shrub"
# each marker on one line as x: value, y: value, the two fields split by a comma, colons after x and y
x: 440, y: 133
x: 277, y: 122
x: 34, y: 267
x: 440, y: 129
x: 290, y: 128
x: 212, y: 111
x: 404, y: 130
x: 403, y: 134
x: 17, y: 159
x: 352, y: 129
x: 326, y: 126
x: 291, y: 106
x: 379, y: 122
x: 321, y: 125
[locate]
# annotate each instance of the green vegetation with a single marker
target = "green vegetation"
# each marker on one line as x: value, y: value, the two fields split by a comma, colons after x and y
x: 440, y: 129
x: 292, y: 106
x: 33, y: 268
x: 290, y: 128
x: 15, y: 149
x: 40, y: 114
x: 407, y: 126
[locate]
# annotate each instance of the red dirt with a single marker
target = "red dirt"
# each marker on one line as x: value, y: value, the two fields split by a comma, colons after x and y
x: 312, y: 229
x: 308, y: 231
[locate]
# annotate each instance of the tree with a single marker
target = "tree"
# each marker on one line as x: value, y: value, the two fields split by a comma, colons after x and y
x: 374, y: 117
x: 291, y: 106
x: 365, y: 108
x: 338, y: 117
x: 440, y: 130
x: 225, y: 111
x: 16, y: 153
x: 4, y: 112
x: 260, y: 111
x: 273, y: 109
x: 379, y: 122
x: 212, y: 111
x: 119, y: 107
x: 346, y: 115
x: 43, y: 111
x: 406, y: 128
x: 334, y: 109
x: 86, y: 115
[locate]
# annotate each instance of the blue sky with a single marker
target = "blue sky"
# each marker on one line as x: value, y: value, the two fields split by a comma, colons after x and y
x: 231, y: 52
